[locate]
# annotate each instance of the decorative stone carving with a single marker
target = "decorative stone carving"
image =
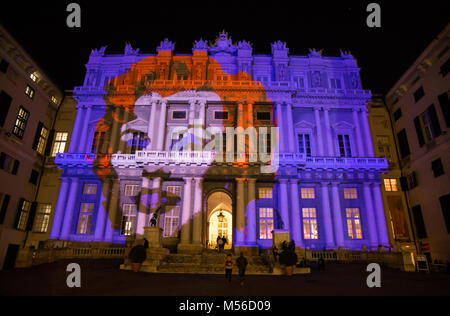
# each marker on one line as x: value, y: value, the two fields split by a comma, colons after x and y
x: 279, y: 46
x: 346, y: 55
x: 166, y: 46
x: 316, y: 79
x: 314, y: 53
x: 98, y: 52
x: 200, y: 45
x: 223, y: 44
x: 245, y: 45
x: 129, y: 51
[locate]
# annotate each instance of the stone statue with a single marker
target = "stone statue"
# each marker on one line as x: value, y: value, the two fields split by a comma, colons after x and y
x: 244, y: 45
x: 200, y: 45
x: 314, y: 53
x: 129, y: 51
x: 166, y: 46
x: 154, y: 220
x: 98, y: 52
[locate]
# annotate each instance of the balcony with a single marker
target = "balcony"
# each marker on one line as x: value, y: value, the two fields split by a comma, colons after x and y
x: 210, y: 158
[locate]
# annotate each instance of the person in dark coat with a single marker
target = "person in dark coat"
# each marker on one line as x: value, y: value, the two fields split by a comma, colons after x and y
x: 146, y: 244
x: 242, y: 263
x: 224, y: 242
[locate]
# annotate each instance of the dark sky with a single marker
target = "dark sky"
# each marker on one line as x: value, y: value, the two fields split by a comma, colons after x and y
x: 383, y: 54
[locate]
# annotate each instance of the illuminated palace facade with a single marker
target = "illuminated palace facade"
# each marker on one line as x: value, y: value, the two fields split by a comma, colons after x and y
x: 152, y: 135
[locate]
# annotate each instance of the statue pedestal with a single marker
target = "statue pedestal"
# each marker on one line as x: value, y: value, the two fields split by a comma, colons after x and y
x: 154, y: 236
x: 280, y: 235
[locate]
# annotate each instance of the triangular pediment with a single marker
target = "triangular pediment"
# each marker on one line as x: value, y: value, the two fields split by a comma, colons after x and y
x: 343, y: 125
x: 305, y: 124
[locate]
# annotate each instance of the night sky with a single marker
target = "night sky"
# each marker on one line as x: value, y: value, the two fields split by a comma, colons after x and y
x: 383, y: 54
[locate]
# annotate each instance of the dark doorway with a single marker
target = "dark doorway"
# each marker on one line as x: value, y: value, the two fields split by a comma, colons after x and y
x: 11, y: 256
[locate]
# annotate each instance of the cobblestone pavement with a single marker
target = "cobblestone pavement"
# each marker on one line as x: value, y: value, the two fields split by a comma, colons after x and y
x: 104, y: 278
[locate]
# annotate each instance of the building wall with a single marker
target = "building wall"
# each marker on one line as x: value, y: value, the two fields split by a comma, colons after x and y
x: 429, y: 73
x: 14, y: 80
x: 301, y: 95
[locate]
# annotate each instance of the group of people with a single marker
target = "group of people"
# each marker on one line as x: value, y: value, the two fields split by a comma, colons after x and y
x: 221, y: 243
x: 241, y: 264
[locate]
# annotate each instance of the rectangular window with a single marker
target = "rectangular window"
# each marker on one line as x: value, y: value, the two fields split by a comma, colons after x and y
x: 384, y: 148
x: 419, y: 94
x: 403, y: 144
x: 300, y: 82
x: 42, y: 218
x: 265, y: 223
x: 24, y: 210
x: 310, y: 227
x: 304, y: 144
x: 308, y: 194
x: 34, y: 177
x: 427, y: 126
x: 345, y: 149
x: 40, y: 139
x: 138, y: 142
x: 445, y: 206
x: 174, y: 190
x: 97, y: 143
x: 177, y: 142
x: 171, y: 222
x: 179, y: 115
x: 90, y: 189
x: 5, y: 104
x: 350, y: 194
x: 354, y: 223
x: 265, y: 193
x: 4, y: 66
x: 4, y: 202
x: 398, y: 114
x: 85, y: 218
x: 59, y: 147
x: 391, y: 185
x: 29, y: 92
x: 418, y: 220
x: 128, y: 219
x: 21, y: 123
x: 263, y: 116
x: 437, y: 167
x: 33, y: 77
x: 335, y: 84
x: 131, y: 190
x: 444, y: 102
x: 54, y: 100
x: 220, y: 115
x: 9, y: 164
x: 445, y: 68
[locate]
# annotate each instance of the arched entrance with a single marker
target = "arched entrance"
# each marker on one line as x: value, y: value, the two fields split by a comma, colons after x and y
x: 220, y: 219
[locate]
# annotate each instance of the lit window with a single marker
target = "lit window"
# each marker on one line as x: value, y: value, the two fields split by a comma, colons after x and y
x: 29, y: 92
x: 131, y: 190
x: 391, y: 185
x: 21, y: 122
x: 265, y: 223
x: 174, y: 190
x: 310, y: 229
x: 25, y: 208
x: 308, y: 194
x: 42, y: 218
x: 54, y: 100
x: 354, y: 223
x: 33, y: 77
x: 41, y: 138
x: 90, y: 189
x: 59, y: 146
x: 171, y: 222
x: 129, y: 219
x: 350, y: 194
x: 85, y: 219
x: 265, y: 193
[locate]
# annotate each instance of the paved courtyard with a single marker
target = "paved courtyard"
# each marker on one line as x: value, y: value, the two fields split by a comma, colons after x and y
x: 104, y: 278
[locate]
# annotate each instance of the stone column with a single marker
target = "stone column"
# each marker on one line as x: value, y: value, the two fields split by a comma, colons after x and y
x: 240, y: 115
x: 337, y: 216
x: 162, y: 126
x: 359, y: 140
x: 250, y: 114
x: 151, y: 126
x: 280, y: 125
x: 75, y: 139
x: 144, y: 206
x: 251, y: 213
x: 191, y: 131
x: 102, y: 212
x: 60, y: 208
x: 84, y: 132
x: 380, y: 216
x: 112, y: 215
x: 290, y: 126
x: 367, y: 135
x: 330, y: 145
x: 201, y: 128
x: 115, y: 133
x: 70, y: 208
x: 373, y: 236
x: 327, y: 221
x: 283, y: 203
x: 240, y: 219
x: 198, y: 212
x: 186, y: 213
x: 296, y: 223
x: 319, y: 138
x: 122, y: 145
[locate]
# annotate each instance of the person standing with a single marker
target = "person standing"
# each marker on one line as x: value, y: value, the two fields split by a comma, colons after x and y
x: 242, y: 263
x: 220, y: 244
x: 228, y: 268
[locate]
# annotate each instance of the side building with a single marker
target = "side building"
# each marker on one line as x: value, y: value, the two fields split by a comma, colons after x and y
x: 420, y: 108
x: 28, y: 105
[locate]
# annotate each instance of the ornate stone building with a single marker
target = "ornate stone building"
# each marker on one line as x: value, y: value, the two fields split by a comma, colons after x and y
x: 222, y: 142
